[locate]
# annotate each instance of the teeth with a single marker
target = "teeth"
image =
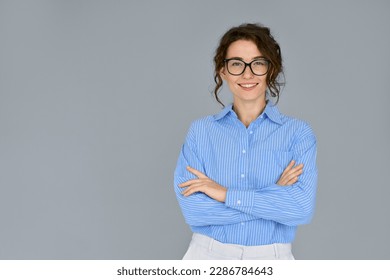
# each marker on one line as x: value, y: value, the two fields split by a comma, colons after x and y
x: 248, y: 85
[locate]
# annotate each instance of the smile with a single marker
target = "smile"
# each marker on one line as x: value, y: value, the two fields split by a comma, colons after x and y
x: 248, y: 86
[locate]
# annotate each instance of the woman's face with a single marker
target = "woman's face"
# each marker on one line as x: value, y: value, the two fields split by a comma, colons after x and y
x: 246, y: 87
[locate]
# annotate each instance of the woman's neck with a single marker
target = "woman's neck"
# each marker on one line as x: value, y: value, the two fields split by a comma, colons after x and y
x: 247, y: 112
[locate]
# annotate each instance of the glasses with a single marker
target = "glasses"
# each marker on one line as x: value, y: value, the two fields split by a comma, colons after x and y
x: 236, y: 67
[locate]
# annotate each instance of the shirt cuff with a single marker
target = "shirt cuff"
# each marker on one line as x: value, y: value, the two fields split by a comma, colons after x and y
x: 238, y: 198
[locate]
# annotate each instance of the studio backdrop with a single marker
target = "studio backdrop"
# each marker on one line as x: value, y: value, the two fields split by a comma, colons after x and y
x: 96, y: 98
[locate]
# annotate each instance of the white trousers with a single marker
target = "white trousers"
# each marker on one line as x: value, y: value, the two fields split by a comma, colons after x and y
x: 203, y: 247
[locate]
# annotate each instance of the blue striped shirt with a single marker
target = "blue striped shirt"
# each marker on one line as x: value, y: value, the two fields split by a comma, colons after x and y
x: 248, y: 161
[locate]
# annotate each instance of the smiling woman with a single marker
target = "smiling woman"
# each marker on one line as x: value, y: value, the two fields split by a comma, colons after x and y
x: 246, y: 177
x: 247, y: 86
x: 267, y: 48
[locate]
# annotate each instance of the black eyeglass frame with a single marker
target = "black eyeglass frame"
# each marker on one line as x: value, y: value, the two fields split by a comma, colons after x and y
x: 226, y: 60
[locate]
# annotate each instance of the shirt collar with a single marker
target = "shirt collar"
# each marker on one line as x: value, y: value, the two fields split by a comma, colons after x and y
x: 271, y: 111
x: 224, y: 112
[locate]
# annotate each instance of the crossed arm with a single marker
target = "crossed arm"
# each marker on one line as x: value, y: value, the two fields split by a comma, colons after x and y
x: 289, y: 201
x: 214, y: 190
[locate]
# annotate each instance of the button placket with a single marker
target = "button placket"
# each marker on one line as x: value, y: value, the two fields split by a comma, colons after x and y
x: 244, y: 156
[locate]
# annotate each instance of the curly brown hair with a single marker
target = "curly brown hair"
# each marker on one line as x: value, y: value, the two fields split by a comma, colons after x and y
x: 266, y: 44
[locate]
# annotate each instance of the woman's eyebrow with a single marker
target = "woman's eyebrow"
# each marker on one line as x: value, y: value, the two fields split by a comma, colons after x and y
x: 236, y: 57
x: 240, y: 58
x: 258, y: 57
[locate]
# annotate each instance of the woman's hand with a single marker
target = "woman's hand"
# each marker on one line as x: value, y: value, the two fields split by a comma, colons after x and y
x: 205, y: 185
x: 291, y: 174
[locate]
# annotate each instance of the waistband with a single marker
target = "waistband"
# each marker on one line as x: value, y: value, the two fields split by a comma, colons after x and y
x: 271, y: 251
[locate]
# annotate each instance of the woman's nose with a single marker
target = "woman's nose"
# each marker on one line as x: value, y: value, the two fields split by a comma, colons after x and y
x: 247, y: 73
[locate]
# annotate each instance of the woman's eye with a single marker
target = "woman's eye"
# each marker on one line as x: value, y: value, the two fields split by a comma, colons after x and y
x: 259, y: 63
x: 236, y: 64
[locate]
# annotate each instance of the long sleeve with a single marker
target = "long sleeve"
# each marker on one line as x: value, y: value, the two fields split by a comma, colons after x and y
x: 289, y: 205
x: 199, y: 209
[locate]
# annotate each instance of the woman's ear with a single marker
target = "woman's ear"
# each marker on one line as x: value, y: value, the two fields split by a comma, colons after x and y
x: 222, y: 73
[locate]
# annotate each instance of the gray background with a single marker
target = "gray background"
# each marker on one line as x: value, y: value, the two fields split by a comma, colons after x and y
x: 96, y: 98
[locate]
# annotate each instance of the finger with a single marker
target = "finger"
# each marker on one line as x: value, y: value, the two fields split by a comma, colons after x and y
x: 188, y: 183
x: 289, y: 166
x: 192, y: 190
x: 197, y: 173
x: 299, y: 166
x: 200, y: 184
x: 194, y: 181
x: 293, y: 175
x: 295, y: 170
x: 289, y: 174
x: 281, y: 182
x: 292, y: 181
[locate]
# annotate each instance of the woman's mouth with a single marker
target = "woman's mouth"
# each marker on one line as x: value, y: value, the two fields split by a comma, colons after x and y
x: 248, y: 86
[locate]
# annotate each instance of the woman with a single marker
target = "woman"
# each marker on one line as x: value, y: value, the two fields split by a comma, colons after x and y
x: 246, y: 177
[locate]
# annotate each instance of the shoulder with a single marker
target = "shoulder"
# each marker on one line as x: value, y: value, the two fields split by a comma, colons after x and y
x: 301, y: 128
x: 297, y: 123
x: 202, y: 124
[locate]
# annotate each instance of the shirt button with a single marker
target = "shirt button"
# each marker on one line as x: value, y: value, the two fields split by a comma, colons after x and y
x: 243, y: 151
x: 242, y: 224
x: 251, y: 132
x: 242, y: 175
x: 238, y: 202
